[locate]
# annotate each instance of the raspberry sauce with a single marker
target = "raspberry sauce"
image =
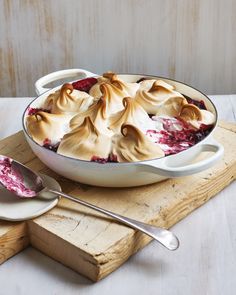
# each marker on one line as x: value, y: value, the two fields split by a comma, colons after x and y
x: 48, y: 145
x: 111, y: 159
x: 33, y: 111
x: 85, y: 84
x: 173, y: 140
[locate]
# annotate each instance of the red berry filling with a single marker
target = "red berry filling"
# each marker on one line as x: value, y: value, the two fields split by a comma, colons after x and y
x: 174, y: 141
x: 85, y: 84
x: 51, y: 147
x: 111, y: 159
x: 33, y: 111
x: 48, y: 145
x: 199, y: 103
x: 99, y: 160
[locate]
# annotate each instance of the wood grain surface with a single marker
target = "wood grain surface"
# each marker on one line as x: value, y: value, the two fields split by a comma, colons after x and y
x: 95, y: 245
x: 189, y: 40
x: 13, y: 239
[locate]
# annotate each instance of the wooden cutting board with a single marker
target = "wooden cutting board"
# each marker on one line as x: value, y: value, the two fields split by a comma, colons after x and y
x: 93, y: 244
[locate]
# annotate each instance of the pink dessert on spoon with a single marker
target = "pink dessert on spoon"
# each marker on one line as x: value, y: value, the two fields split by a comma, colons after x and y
x: 12, y: 180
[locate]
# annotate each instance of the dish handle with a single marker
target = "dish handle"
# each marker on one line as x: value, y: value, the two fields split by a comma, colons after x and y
x: 163, y: 168
x: 78, y: 73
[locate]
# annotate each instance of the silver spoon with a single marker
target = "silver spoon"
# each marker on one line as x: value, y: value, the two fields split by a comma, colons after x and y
x: 34, y: 183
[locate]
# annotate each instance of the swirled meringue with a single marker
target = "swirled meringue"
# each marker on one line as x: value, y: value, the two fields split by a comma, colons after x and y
x: 133, y: 113
x: 98, y: 115
x: 195, y: 116
x: 68, y: 100
x: 84, y: 142
x: 171, y: 107
x: 42, y: 126
x: 158, y: 93
x: 113, y: 97
x: 134, y: 146
x: 147, y: 83
x: 129, y: 89
x: 95, y: 89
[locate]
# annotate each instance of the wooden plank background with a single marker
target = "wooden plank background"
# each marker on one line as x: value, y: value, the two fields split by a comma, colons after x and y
x: 190, y: 40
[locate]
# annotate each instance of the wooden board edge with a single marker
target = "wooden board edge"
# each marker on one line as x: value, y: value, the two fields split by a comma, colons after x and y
x: 62, y: 251
x: 12, y: 136
x: 87, y: 265
x: 227, y: 125
x: 13, y: 241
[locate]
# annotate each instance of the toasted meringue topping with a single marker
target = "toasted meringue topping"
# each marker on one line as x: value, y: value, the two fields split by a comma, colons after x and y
x: 109, y: 75
x: 195, y: 116
x: 129, y: 89
x: 190, y: 112
x: 158, y: 93
x: 171, y: 107
x: 98, y: 115
x: 68, y: 100
x: 147, y: 84
x: 133, y: 113
x: 115, y: 121
x: 84, y: 142
x: 161, y: 86
x: 113, y: 97
x: 98, y: 107
x: 134, y: 146
x: 44, y: 125
x: 95, y: 89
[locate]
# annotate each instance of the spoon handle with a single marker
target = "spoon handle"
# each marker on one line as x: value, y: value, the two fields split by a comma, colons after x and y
x: 163, y: 236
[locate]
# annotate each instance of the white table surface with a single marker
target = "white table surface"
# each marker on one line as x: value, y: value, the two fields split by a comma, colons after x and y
x: 205, y: 263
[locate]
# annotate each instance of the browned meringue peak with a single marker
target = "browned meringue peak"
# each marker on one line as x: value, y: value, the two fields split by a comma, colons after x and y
x: 113, y: 97
x: 190, y: 112
x: 84, y: 142
x: 195, y: 116
x: 98, y: 115
x: 68, y: 100
x: 159, y: 92
x: 171, y: 107
x: 147, y: 83
x: 95, y: 89
x: 129, y: 89
x: 44, y: 125
x: 134, y: 146
x: 133, y: 113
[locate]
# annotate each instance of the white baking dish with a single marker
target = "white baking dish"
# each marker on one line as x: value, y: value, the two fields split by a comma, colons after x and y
x: 125, y: 174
